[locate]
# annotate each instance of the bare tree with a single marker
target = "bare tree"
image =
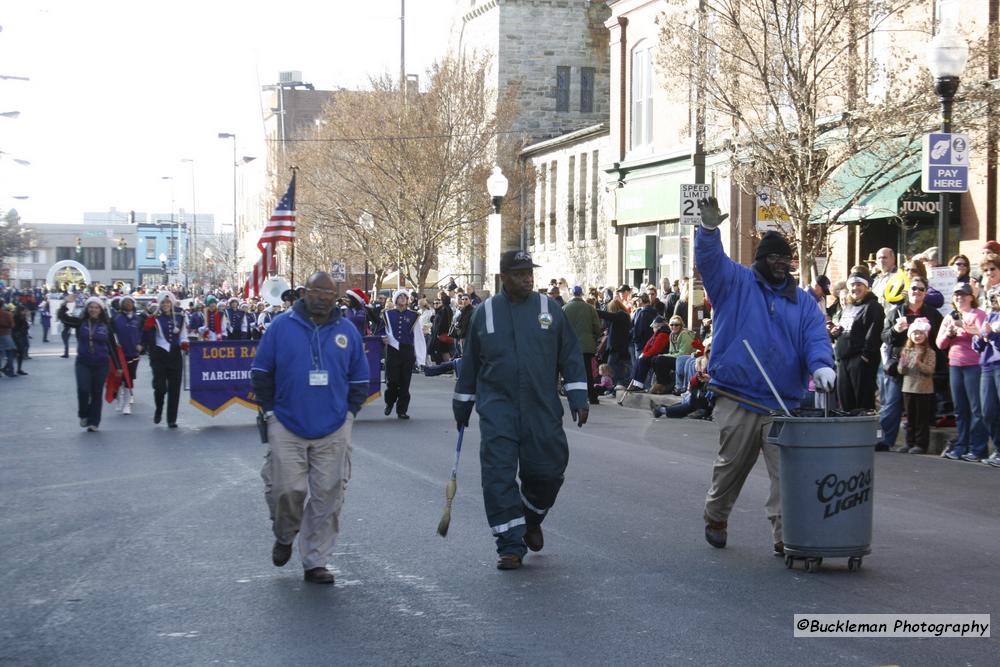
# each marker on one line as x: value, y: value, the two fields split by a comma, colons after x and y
x: 794, y: 91
x: 418, y: 166
x: 224, y: 264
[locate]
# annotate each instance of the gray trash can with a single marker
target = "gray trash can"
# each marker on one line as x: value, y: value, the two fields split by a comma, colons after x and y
x: 827, y: 487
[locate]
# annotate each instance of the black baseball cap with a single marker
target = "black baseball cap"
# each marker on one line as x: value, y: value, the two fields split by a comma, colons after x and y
x: 514, y: 260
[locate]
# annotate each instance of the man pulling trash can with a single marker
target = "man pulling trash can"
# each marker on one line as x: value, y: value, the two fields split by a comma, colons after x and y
x: 517, y: 345
x: 762, y: 305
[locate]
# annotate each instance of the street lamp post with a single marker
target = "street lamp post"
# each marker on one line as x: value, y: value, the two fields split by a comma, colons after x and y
x: 367, y: 222
x: 229, y: 135
x: 192, y: 242
x: 496, y: 185
x: 947, y: 54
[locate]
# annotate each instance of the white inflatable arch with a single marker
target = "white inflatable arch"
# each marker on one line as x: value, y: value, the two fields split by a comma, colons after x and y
x: 59, y: 266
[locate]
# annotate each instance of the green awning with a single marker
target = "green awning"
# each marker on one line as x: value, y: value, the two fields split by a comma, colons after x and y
x: 866, y: 172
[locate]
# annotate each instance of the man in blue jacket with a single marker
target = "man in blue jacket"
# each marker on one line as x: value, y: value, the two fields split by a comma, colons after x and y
x: 517, y: 345
x: 310, y: 376
x: 761, y: 305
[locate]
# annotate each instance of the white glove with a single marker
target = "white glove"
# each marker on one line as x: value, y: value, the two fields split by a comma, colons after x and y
x: 825, y: 378
x: 711, y: 216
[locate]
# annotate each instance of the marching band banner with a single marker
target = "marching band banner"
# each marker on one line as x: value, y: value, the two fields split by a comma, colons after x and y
x: 220, y: 373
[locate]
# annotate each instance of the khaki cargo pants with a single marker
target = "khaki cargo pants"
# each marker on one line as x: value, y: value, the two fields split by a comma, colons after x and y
x: 742, y: 436
x: 304, y: 485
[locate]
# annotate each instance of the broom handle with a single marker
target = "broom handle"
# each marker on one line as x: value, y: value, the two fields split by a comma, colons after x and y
x: 458, y: 451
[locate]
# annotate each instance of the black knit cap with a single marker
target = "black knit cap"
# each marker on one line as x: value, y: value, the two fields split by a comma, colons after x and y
x: 772, y: 243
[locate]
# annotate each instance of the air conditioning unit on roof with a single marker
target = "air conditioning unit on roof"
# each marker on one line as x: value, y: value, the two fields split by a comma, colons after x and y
x: 294, y: 76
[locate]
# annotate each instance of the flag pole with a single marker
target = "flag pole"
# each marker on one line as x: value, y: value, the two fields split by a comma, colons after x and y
x: 291, y: 273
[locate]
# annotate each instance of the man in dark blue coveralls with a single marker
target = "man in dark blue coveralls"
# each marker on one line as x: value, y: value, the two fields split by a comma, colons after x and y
x: 518, y: 343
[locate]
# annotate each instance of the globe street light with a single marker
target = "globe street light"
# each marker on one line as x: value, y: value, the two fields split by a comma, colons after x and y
x: 496, y: 185
x: 947, y: 54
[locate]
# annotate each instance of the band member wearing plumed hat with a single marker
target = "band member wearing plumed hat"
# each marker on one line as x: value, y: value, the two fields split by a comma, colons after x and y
x: 405, y: 345
x: 216, y: 323
x: 166, y: 338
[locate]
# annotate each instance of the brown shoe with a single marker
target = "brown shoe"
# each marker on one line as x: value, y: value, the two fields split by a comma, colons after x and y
x: 319, y: 575
x: 659, y: 389
x: 280, y: 553
x: 779, y: 548
x: 508, y: 562
x: 715, y: 533
x: 533, y: 538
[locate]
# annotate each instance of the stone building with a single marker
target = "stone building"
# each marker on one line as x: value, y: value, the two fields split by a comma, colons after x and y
x: 553, y: 54
x: 566, y: 229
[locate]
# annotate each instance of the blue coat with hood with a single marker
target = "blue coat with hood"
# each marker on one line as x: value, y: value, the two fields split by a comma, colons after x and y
x: 292, y: 347
x: 782, y: 324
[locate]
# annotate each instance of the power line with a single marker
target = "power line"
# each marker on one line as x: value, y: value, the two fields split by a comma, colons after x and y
x: 393, y: 137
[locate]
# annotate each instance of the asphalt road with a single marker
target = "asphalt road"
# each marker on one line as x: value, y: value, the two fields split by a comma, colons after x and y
x: 142, y: 546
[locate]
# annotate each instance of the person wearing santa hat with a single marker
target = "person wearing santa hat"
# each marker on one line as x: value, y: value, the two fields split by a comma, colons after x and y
x: 357, y: 312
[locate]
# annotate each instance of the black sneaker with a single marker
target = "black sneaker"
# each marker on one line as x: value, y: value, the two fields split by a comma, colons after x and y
x: 881, y: 447
x: 388, y: 410
x: 280, y: 553
x: 319, y: 575
x: 715, y: 533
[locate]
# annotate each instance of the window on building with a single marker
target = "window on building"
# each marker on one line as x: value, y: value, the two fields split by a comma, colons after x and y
x: 65, y: 252
x: 123, y: 260
x: 562, y: 88
x: 581, y: 207
x: 172, y: 248
x: 595, y: 195
x: 571, y: 198
x: 587, y: 89
x: 93, y: 258
x: 543, y: 201
x: 642, y: 95
x: 150, y: 247
x: 553, y: 192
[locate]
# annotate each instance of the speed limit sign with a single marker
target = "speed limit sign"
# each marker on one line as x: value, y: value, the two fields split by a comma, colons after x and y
x: 690, y: 195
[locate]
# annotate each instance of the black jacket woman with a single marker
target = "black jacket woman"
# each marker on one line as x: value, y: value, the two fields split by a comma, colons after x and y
x: 619, y: 327
x: 97, y: 351
x: 857, y: 346
x: 440, y: 326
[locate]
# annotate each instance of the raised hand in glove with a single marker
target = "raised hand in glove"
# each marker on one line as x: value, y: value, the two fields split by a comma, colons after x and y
x: 711, y: 216
x: 825, y: 378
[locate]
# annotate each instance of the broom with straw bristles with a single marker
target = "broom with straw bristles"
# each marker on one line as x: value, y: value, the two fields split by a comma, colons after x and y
x: 451, y: 488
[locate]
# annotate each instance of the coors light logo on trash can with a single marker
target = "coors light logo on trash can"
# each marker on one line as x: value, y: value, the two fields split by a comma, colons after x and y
x: 843, y: 494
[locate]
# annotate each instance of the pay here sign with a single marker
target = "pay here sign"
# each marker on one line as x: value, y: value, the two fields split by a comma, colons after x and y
x: 945, y: 163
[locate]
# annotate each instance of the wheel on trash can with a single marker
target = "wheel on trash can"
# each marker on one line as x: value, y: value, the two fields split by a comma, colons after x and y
x: 812, y: 564
x: 854, y: 563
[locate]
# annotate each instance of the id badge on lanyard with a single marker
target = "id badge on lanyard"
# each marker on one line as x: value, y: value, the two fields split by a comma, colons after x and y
x: 318, y: 379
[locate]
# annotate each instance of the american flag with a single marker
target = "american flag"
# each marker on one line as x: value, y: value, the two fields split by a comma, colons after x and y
x: 281, y: 227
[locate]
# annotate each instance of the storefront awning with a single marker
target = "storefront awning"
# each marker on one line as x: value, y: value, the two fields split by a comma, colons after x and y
x: 867, y: 172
